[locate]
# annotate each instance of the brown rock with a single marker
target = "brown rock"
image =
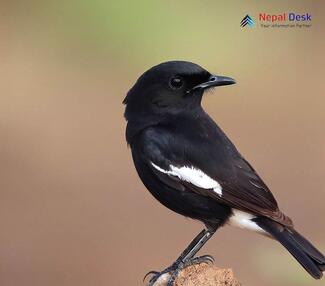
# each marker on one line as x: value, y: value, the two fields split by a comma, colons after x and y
x: 203, y: 275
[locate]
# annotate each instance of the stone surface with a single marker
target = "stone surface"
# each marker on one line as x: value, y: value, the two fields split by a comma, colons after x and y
x: 203, y: 275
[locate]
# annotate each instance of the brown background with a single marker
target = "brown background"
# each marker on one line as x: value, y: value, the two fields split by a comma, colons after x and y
x: 72, y: 209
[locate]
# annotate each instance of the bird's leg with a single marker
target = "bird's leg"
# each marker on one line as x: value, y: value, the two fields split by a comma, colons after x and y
x: 186, y: 258
x: 196, y: 244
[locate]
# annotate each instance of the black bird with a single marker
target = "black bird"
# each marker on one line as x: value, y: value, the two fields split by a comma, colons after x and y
x: 190, y: 166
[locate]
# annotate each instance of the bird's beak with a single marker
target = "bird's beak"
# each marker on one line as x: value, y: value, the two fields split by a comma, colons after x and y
x: 214, y: 80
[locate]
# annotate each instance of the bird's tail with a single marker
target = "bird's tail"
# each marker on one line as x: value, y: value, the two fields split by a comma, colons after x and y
x: 303, y: 251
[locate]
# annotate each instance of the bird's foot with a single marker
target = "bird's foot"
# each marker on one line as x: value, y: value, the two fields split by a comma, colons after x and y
x: 170, y: 274
x: 208, y: 259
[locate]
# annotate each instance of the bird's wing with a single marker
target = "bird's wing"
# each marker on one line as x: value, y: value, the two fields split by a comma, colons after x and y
x: 226, y: 177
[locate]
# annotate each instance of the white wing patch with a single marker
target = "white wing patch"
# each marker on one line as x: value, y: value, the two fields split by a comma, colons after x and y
x: 193, y: 176
x: 244, y: 220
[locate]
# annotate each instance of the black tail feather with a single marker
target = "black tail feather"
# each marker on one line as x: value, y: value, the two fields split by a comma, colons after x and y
x: 304, y: 252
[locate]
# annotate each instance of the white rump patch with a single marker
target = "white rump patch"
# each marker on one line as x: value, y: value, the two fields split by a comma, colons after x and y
x: 193, y: 176
x: 244, y: 220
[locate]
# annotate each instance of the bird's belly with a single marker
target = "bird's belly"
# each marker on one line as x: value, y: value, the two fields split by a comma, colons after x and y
x: 186, y: 202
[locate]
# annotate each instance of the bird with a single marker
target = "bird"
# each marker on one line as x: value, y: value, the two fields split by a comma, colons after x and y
x: 191, y: 167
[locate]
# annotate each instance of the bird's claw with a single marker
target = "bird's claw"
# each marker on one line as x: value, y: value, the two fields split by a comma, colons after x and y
x: 208, y: 259
x: 170, y: 271
x: 175, y: 269
x: 152, y: 272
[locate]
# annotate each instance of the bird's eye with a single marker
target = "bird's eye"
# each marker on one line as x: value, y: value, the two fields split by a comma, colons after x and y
x: 176, y: 83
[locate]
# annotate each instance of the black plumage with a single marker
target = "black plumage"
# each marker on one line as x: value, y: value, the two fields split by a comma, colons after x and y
x: 187, y: 162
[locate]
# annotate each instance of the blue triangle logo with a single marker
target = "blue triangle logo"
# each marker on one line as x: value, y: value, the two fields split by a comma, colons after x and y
x: 247, y: 21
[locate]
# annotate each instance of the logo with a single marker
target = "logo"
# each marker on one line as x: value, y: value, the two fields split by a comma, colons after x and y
x: 285, y: 17
x: 278, y: 20
x: 247, y: 21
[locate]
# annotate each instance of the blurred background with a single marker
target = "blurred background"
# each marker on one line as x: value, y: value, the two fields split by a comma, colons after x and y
x: 72, y: 209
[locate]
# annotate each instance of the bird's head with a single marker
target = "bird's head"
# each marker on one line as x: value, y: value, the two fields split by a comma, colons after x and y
x: 169, y: 88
